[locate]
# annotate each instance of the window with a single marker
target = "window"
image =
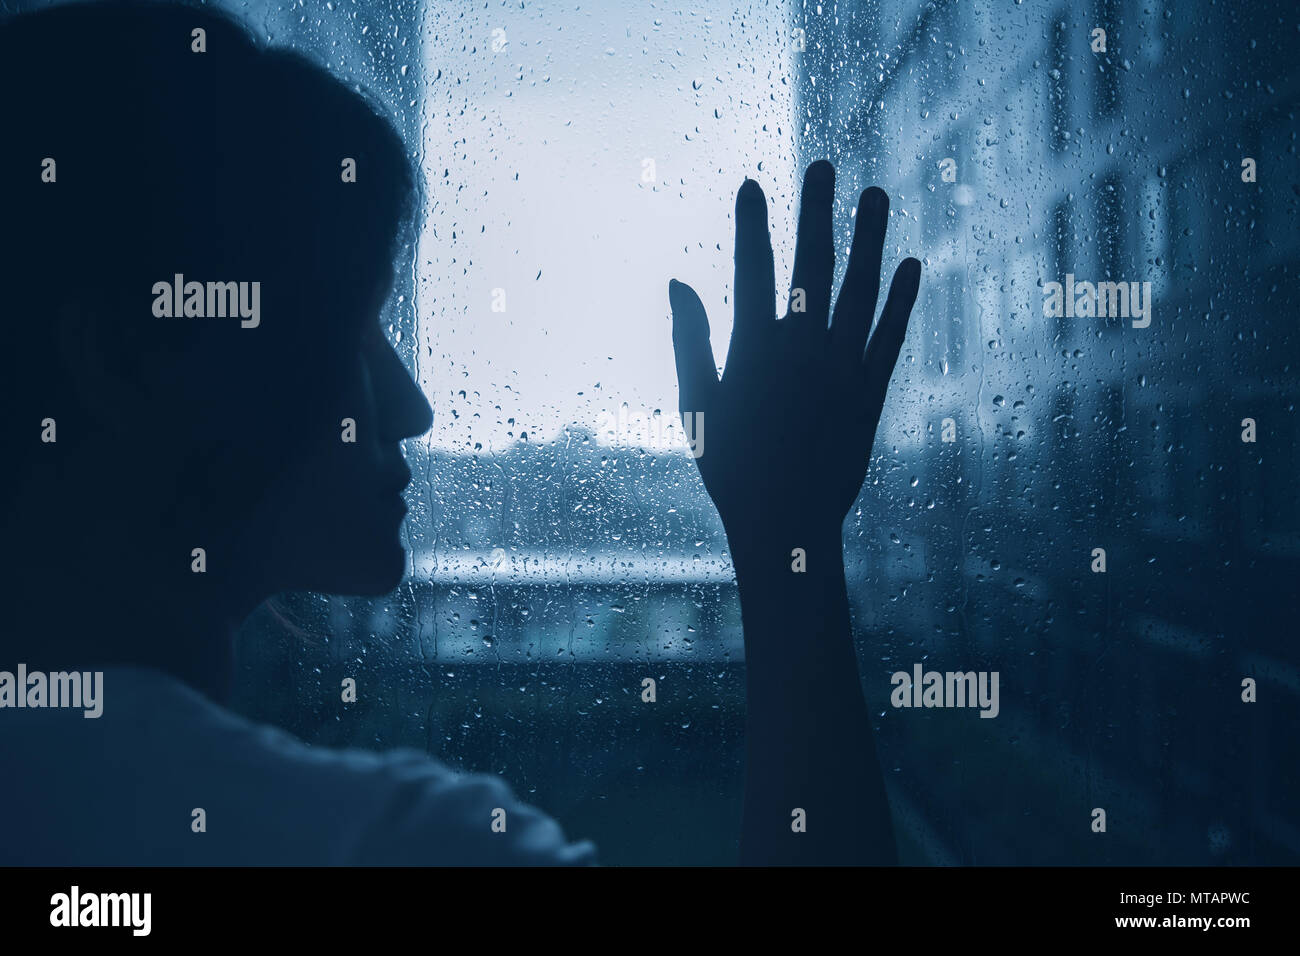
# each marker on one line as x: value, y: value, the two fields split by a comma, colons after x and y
x: 563, y: 548
x: 1062, y: 241
x: 1058, y: 85
x: 1106, y: 80
x: 1112, y: 226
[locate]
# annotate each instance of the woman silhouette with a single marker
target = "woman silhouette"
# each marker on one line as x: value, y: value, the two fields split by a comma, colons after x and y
x: 137, y: 151
x: 202, y: 411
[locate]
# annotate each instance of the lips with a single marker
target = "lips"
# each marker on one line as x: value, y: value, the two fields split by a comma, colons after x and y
x: 398, y: 478
x: 394, y: 505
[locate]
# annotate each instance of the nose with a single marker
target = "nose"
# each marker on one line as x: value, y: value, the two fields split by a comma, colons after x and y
x: 404, y: 412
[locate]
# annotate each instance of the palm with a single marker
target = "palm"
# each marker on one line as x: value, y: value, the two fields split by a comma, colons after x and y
x: 777, y: 438
x: 787, y: 432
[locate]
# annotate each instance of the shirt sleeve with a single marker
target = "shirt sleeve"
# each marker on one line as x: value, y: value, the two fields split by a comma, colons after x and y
x: 433, y: 815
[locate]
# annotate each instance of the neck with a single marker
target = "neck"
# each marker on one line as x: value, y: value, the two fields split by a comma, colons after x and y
x: 79, y: 604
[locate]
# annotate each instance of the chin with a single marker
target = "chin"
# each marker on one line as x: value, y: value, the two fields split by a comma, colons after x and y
x: 372, y: 572
x: 386, y: 571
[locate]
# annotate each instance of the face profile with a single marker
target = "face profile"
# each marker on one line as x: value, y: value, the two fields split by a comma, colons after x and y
x: 338, y: 508
x: 215, y: 402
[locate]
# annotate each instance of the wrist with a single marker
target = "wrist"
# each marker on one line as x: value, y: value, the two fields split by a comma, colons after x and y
x: 790, y: 552
x: 794, y: 608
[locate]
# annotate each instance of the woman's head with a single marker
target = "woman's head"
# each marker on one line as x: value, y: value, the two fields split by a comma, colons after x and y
x: 138, y: 150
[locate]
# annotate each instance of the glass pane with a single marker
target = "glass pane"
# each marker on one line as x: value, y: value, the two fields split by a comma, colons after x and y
x: 563, y: 548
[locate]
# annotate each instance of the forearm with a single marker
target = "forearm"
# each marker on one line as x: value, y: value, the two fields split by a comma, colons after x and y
x: 808, y: 736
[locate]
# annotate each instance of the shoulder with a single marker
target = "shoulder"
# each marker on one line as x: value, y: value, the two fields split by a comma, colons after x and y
x: 436, y: 815
x: 315, y: 804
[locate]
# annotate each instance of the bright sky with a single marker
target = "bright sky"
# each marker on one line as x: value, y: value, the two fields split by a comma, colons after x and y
x: 545, y: 143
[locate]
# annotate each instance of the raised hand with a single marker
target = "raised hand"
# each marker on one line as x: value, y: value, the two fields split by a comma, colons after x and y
x: 788, y: 430
x: 783, y: 448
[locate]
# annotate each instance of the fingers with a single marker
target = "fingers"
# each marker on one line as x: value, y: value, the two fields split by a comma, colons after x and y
x: 814, y: 254
x: 882, y: 350
x: 857, y: 302
x: 697, y: 375
x: 755, y: 282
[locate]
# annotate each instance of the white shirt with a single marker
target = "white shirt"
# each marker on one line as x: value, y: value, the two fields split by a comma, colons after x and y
x: 121, y: 789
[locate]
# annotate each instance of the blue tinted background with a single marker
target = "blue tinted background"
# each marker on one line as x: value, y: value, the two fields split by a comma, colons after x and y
x: 562, y: 547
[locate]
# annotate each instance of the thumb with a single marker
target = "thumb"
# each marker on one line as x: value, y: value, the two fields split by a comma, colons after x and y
x: 697, y: 375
